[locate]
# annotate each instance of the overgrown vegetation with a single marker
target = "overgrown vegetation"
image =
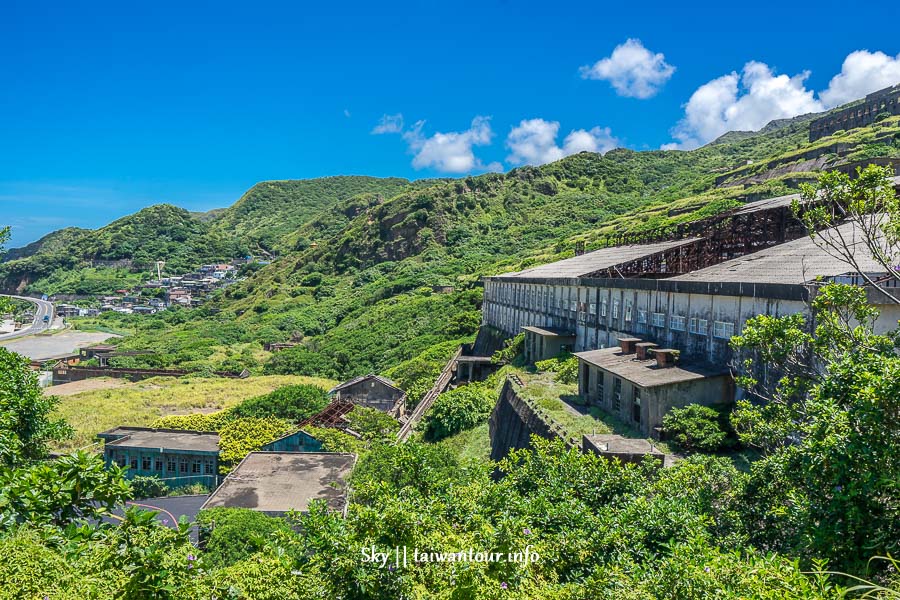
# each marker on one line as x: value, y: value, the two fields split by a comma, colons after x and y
x: 696, y: 427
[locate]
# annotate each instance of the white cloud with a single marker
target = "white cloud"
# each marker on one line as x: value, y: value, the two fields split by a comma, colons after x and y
x: 862, y: 73
x: 633, y: 71
x: 389, y: 124
x: 744, y: 102
x: 451, y: 152
x: 533, y: 142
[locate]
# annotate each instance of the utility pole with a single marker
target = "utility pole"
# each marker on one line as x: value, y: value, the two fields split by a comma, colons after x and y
x: 159, y: 263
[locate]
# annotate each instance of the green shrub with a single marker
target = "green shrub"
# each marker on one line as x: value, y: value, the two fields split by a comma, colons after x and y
x: 695, y: 427
x: 458, y: 410
x: 565, y: 366
x: 301, y: 361
x: 372, y: 423
x: 244, y: 435
x: 291, y: 402
x: 335, y: 440
x: 148, y: 486
x: 233, y: 534
x: 511, y: 349
x: 195, y: 421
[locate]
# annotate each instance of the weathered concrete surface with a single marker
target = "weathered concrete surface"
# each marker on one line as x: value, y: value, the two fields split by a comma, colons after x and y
x: 43, y: 347
x: 627, y: 450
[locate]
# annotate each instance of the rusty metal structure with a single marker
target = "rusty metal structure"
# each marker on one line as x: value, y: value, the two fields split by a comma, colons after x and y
x: 330, y: 416
x: 710, y: 241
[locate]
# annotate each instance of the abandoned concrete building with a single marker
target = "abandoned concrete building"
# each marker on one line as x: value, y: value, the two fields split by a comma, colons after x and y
x: 372, y: 391
x: 277, y: 482
x: 859, y: 115
x: 639, y: 383
x: 690, y: 293
x: 182, y: 457
x: 542, y: 343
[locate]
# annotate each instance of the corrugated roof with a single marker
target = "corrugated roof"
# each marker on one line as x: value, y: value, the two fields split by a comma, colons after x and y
x: 796, y: 262
x: 646, y: 373
x: 356, y: 380
x: 580, y: 266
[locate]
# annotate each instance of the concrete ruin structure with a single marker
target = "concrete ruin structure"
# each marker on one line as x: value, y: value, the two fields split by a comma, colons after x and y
x: 689, y: 295
x: 372, y: 391
x: 886, y: 101
x: 275, y: 483
x: 639, y: 383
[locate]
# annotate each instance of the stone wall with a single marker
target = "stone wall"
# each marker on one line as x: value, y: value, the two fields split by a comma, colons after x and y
x: 859, y: 115
x: 514, y: 420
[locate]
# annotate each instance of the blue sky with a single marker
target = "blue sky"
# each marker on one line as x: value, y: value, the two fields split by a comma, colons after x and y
x: 109, y: 107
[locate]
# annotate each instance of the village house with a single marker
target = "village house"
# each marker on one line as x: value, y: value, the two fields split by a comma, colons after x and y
x: 372, y: 391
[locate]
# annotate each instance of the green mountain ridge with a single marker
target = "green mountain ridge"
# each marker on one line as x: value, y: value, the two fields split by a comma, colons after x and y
x: 354, y: 259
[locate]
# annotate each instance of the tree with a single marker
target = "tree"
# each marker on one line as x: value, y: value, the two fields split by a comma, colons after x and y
x: 292, y: 402
x: 695, y: 427
x: 870, y: 204
x: 827, y: 484
x: 372, y: 423
x: 59, y: 491
x: 458, y: 410
x: 26, y: 425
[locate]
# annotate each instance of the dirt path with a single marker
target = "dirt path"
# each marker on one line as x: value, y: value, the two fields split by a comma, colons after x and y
x: 85, y: 385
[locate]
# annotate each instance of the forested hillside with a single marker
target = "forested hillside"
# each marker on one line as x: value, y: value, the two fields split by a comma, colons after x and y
x: 271, y: 210
x: 355, y: 258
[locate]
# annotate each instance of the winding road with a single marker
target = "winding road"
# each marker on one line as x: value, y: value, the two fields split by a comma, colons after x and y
x: 43, y: 309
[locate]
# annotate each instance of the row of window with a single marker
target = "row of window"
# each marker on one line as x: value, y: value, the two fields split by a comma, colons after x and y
x: 182, y: 465
x: 697, y: 326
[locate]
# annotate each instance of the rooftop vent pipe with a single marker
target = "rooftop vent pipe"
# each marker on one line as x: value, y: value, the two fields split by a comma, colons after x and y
x: 665, y: 357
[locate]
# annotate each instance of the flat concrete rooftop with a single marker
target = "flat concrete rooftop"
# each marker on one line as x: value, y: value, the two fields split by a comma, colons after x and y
x: 549, y: 331
x: 277, y: 482
x: 646, y: 373
x: 616, y: 444
x: 172, y: 439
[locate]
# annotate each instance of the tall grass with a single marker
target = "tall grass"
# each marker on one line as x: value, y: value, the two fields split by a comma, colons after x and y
x: 139, y: 404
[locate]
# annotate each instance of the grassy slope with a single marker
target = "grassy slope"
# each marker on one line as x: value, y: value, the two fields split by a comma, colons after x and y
x: 271, y: 210
x: 139, y: 404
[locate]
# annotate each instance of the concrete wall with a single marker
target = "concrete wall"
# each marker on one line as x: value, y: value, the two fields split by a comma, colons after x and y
x: 513, y: 421
x: 697, y: 319
x: 541, y: 347
x: 599, y: 314
x: 886, y: 100
x: 177, y: 468
x: 652, y: 403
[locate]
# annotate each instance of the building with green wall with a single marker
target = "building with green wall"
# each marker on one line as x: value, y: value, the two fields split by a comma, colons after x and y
x: 177, y: 457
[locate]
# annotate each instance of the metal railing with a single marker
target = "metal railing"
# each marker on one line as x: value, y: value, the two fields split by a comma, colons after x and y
x: 440, y: 385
